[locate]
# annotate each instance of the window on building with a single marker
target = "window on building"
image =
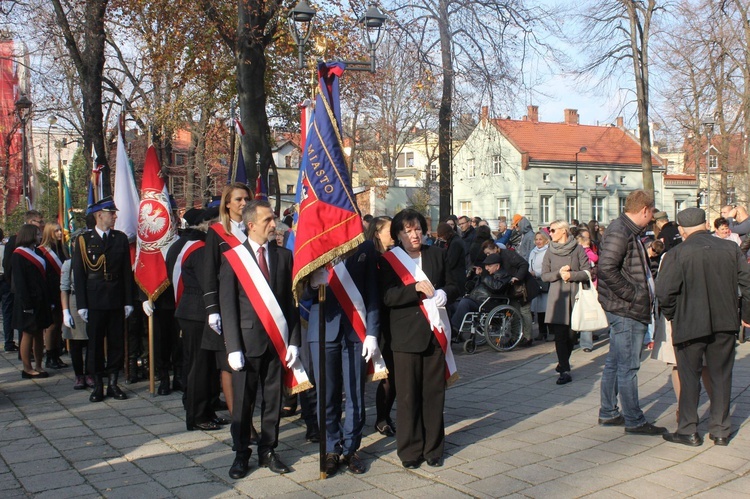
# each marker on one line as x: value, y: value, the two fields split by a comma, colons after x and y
x: 65, y: 162
x: 713, y: 162
x: 471, y: 168
x: 180, y: 159
x: 545, y: 177
x: 503, y: 208
x: 497, y: 165
x: 545, y: 209
x: 598, y: 181
x: 597, y: 207
x: 623, y: 180
x: 433, y: 171
x: 572, y: 178
x: 621, y: 205
x: 464, y: 209
x: 679, y: 205
x: 571, y: 208
x: 405, y: 160
x: 273, y: 185
x: 177, y: 186
x: 731, y: 195
x: 290, y: 188
x: 288, y: 160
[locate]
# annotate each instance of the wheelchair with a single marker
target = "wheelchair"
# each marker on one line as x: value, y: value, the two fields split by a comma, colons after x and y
x: 496, y: 323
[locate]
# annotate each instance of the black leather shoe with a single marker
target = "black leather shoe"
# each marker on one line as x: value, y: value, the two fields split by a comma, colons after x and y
x: 60, y: 363
x: 288, y: 412
x: 313, y: 434
x: 354, y: 463
x: 646, y: 429
x: 207, y: 426
x: 723, y: 441
x: 11, y: 348
x: 239, y: 468
x: 271, y: 461
x: 564, y: 378
x: 618, y: 421
x: 435, y: 462
x: 254, y: 439
x: 411, y: 465
x: 693, y: 440
x: 332, y: 463
x: 164, y: 387
x: 115, y: 392
x: 97, y: 394
x: 220, y: 421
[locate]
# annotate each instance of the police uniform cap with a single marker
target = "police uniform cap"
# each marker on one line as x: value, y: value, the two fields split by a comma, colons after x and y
x: 104, y: 204
x: 691, y: 217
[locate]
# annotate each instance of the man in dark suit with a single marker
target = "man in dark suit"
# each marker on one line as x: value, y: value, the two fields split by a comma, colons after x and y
x: 697, y: 290
x: 347, y: 353
x: 250, y: 350
x: 104, y: 294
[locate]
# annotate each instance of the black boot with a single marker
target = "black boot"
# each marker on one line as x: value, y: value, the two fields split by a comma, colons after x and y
x: 132, y: 371
x: 163, y: 383
x: 52, y: 362
x: 113, y: 390
x: 97, y: 395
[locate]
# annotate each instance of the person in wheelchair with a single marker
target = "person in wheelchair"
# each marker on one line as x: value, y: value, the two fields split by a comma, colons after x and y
x: 491, y: 282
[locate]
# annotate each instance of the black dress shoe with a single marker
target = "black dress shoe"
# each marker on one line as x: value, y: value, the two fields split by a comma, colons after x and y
x: 354, y: 463
x: 115, y: 392
x: 693, y: 440
x: 271, y: 461
x: 239, y: 468
x: 36, y: 375
x: 207, y: 426
x: 411, y: 465
x: 312, y: 434
x: 647, y: 429
x: 435, y: 462
x: 220, y: 421
x: 723, y: 441
x: 254, y: 439
x: 11, y: 348
x: 564, y: 378
x: 617, y: 421
x: 164, y: 388
x: 97, y: 394
x: 332, y: 463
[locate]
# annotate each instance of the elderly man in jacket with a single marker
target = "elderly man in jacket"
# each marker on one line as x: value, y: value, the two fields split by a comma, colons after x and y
x: 626, y: 292
x: 697, y: 290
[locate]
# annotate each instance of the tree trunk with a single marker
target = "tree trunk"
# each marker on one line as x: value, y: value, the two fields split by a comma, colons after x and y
x: 445, y: 114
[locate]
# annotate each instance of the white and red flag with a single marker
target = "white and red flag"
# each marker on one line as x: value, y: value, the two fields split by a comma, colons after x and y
x: 125, y: 196
x: 155, y: 230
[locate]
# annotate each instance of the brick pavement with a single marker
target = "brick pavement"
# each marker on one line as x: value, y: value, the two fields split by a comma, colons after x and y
x: 511, y: 431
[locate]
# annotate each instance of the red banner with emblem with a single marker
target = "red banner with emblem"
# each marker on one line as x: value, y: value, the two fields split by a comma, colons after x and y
x: 155, y: 230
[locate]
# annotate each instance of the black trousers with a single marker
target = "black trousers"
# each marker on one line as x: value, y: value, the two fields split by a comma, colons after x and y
x: 565, y: 341
x: 109, y: 324
x: 420, y: 383
x: 166, y: 341
x: 268, y: 372
x: 719, y: 352
x: 202, y: 375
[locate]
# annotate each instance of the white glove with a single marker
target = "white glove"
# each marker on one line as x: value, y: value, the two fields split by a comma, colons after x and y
x: 369, y: 347
x: 148, y: 308
x: 214, y: 322
x: 236, y: 360
x: 84, y: 313
x: 319, y: 278
x: 68, y: 319
x: 440, y: 298
x: 128, y: 311
x: 292, y: 353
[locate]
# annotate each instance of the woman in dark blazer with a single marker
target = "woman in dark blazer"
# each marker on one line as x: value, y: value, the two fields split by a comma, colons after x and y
x: 417, y: 355
x: 563, y: 266
x: 53, y: 250
x: 32, y: 307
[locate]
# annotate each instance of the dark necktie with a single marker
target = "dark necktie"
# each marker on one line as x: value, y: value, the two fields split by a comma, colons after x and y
x: 262, y: 263
x: 104, y: 238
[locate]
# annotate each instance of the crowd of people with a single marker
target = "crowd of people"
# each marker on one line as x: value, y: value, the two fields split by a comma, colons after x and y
x: 388, y: 317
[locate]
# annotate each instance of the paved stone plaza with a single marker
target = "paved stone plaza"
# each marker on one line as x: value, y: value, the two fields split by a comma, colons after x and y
x: 511, y: 431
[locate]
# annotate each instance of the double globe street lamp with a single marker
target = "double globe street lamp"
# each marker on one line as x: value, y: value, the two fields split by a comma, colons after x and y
x: 300, y: 23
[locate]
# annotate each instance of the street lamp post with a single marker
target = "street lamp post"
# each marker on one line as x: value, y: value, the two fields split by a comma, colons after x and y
x: 582, y: 150
x: 708, y: 125
x: 51, y: 120
x: 23, y: 110
x: 300, y: 23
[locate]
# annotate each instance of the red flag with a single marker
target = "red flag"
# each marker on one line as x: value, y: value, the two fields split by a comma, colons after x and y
x: 155, y: 230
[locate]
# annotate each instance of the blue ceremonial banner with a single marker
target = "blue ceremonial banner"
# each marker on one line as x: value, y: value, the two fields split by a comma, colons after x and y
x: 328, y: 224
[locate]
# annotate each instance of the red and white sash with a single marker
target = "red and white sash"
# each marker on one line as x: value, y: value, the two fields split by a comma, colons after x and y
x: 52, y: 258
x: 31, y: 256
x: 409, y: 273
x: 177, y: 283
x: 269, y: 312
x: 234, y: 239
x: 353, y: 305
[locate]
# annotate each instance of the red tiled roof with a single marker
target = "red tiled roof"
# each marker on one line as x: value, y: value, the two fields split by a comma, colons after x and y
x: 560, y: 142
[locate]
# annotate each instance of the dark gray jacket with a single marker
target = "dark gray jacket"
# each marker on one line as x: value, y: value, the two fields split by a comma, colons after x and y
x: 697, y: 287
x: 623, y: 285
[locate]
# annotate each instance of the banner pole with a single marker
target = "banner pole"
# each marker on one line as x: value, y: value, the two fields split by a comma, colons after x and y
x: 321, y: 380
x: 151, y: 381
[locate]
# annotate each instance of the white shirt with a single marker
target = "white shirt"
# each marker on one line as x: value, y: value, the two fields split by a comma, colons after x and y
x: 101, y: 232
x: 238, y: 230
x: 255, y: 246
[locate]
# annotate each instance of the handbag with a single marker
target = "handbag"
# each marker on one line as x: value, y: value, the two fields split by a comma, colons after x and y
x: 518, y: 292
x: 543, y: 285
x: 587, y: 314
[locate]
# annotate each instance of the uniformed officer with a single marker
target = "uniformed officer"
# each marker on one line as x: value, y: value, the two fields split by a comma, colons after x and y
x: 104, y: 283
